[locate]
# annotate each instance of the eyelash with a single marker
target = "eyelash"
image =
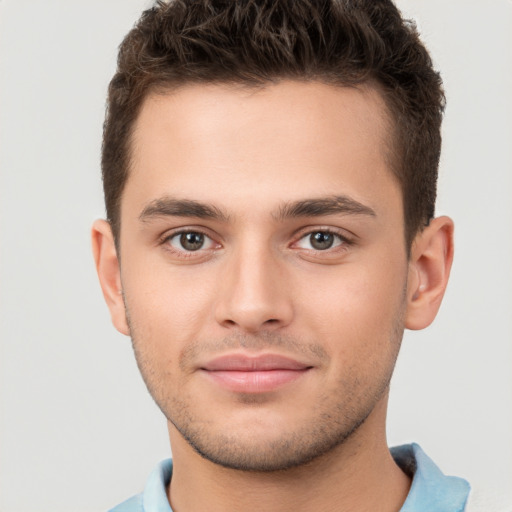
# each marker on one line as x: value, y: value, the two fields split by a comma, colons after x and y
x: 183, y: 253
x: 344, y: 242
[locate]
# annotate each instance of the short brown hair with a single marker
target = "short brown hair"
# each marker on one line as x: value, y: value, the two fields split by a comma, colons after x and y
x: 254, y: 42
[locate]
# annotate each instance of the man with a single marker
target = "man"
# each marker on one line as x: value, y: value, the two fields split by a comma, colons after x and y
x: 270, y: 177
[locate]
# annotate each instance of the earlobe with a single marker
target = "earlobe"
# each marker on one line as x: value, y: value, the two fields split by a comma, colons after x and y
x: 429, y: 270
x: 109, y: 274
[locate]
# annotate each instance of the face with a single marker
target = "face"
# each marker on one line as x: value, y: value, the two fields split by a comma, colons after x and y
x: 263, y: 266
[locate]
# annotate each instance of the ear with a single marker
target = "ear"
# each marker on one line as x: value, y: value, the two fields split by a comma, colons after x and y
x: 429, y: 268
x: 109, y: 273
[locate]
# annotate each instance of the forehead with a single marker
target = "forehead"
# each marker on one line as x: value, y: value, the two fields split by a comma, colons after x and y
x: 279, y: 142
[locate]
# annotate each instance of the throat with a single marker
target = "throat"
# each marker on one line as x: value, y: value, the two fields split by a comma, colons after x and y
x: 348, y: 478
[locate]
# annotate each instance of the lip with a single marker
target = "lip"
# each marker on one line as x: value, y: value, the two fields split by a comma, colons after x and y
x: 254, y: 374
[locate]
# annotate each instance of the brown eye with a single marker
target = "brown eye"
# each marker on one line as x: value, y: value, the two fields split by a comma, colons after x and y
x: 320, y: 241
x: 192, y: 241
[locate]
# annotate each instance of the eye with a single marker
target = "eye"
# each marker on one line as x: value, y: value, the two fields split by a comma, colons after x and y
x: 190, y: 241
x: 320, y: 240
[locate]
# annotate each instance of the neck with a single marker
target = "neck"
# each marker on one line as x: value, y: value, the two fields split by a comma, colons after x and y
x: 359, y: 475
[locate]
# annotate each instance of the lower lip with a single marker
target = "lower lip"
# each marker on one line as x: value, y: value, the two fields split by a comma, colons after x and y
x: 254, y: 381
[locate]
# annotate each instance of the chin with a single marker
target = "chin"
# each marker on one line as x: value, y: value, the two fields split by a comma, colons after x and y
x: 260, y: 452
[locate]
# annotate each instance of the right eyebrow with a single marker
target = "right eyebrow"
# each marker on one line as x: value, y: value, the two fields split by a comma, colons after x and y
x: 172, y: 207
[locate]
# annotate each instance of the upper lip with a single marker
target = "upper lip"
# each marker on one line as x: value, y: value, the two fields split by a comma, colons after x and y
x: 248, y: 363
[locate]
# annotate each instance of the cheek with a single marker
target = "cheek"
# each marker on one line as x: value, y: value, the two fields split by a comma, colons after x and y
x: 356, y: 310
x: 167, y: 305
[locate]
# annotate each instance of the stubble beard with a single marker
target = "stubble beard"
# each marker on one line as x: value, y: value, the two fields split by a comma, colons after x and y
x: 335, y: 418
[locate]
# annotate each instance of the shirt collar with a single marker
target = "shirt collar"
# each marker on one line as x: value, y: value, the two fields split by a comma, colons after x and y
x: 431, y: 490
x: 154, y: 497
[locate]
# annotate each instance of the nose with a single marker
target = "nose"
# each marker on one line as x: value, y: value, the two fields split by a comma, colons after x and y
x: 254, y: 292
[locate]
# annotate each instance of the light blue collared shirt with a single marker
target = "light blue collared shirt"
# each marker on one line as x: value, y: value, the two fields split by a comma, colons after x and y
x: 431, y: 490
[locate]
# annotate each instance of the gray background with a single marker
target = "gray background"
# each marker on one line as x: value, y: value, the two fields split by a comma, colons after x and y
x: 78, y: 430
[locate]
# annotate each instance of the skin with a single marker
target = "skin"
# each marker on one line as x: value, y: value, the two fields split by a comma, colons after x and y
x: 242, y: 167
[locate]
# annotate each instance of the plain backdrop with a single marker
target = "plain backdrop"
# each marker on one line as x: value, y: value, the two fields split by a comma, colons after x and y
x: 78, y: 430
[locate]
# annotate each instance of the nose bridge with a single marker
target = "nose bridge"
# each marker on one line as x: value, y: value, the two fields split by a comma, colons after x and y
x: 254, y: 294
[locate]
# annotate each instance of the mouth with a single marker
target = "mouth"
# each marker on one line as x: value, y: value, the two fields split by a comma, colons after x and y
x: 257, y: 374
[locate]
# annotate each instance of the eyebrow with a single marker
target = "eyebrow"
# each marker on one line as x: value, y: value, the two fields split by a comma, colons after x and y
x: 331, y: 205
x: 317, y: 207
x: 169, y: 206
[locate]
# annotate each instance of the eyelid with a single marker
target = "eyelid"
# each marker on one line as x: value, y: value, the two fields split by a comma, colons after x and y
x: 337, y: 242
x: 346, y: 237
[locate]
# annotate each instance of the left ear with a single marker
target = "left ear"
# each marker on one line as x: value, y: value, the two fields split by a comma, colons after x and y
x: 429, y: 268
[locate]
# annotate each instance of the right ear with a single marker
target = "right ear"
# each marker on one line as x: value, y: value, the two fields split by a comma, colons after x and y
x: 109, y: 273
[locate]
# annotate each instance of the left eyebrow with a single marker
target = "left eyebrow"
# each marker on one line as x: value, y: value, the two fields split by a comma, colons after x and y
x: 318, y: 207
